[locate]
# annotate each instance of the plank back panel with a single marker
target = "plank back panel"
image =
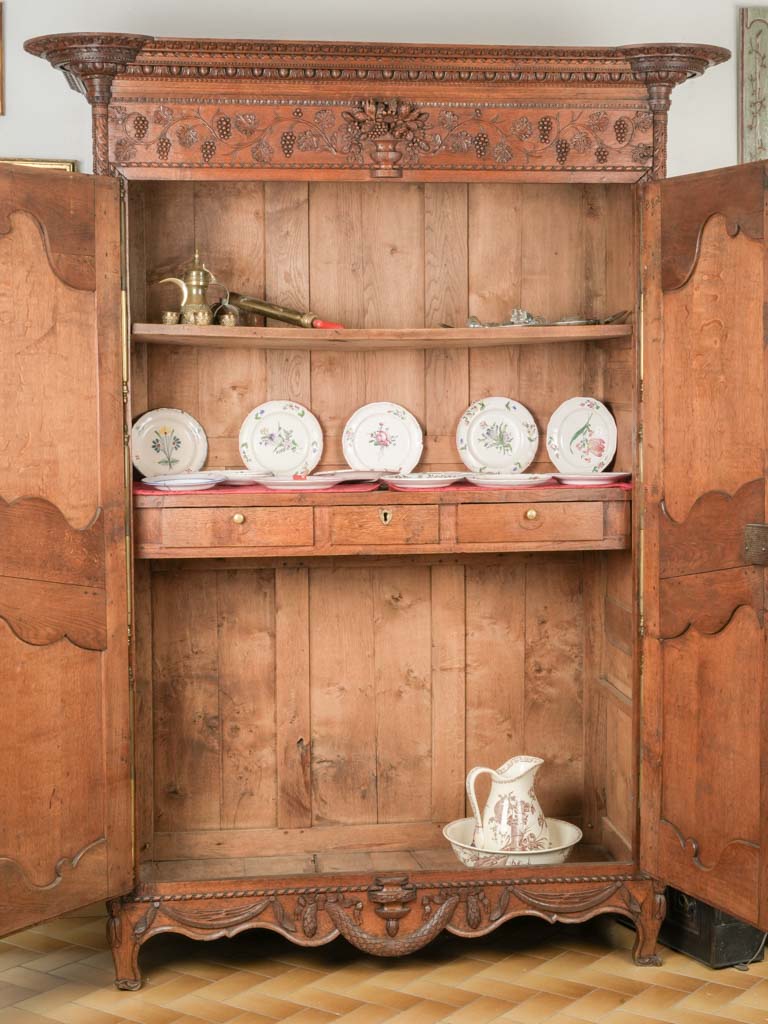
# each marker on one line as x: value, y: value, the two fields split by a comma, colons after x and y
x: 400, y: 255
x: 358, y: 697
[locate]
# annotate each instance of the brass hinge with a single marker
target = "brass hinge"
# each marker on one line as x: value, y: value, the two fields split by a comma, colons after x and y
x: 126, y: 435
x: 640, y: 432
x: 756, y: 543
x: 125, y: 392
x: 641, y: 627
x: 641, y: 389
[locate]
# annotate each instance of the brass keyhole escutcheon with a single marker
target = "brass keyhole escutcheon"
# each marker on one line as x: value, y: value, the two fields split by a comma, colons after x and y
x: 531, y: 514
x: 238, y: 518
x: 385, y: 515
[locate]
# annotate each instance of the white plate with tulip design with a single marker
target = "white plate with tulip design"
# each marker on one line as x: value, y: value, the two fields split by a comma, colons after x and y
x: 497, y: 435
x: 581, y: 436
x: 382, y: 437
x: 168, y: 441
x: 282, y: 438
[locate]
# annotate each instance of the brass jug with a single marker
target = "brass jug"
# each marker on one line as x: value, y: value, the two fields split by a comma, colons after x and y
x: 195, y: 308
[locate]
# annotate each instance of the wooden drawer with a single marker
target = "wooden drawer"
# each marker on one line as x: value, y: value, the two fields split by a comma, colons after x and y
x: 384, y: 524
x: 218, y: 527
x: 530, y: 522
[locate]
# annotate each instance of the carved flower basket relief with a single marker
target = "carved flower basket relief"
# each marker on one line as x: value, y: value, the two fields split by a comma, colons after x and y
x: 276, y: 133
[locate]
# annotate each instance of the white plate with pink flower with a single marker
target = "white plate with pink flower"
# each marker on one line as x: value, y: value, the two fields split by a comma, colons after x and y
x: 382, y: 437
x: 581, y: 436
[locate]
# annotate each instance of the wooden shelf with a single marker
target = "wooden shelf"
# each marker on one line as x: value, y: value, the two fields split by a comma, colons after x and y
x: 379, y: 339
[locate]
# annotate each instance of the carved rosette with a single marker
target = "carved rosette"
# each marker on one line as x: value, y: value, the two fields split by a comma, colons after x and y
x: 391, y: 916
x: 385, y: 137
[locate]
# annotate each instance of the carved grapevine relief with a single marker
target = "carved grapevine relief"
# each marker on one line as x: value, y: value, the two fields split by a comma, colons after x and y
x: 385, y: 134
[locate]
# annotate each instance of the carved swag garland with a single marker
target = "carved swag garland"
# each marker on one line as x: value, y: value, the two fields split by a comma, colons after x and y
x: 388, y: 132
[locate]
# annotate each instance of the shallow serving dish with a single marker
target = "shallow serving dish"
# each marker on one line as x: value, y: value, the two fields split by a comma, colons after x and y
x: 499, y: 480
x: 562, y: 834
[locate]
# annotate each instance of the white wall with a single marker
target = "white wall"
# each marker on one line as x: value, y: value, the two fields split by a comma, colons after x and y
x: 45, y: 119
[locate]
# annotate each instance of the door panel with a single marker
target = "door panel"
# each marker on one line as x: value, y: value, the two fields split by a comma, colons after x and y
x: 65, y: 823
x: 704, y: 445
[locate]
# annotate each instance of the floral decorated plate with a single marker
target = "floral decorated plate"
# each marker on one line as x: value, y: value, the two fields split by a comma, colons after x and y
x: 184, y: 481
x: 422, y: 481
x: 299, y: 483
x: 168, y: 441
x: 242, y: 477
x: 383, y: 437
x: 497, y: 435
x: 590, y: 479
x: 281, y: 437
x: 509, y: 479
x: 581, y: 436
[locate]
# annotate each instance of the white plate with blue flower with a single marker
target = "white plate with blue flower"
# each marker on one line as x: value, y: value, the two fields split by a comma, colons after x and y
x: 168, y: 441
x: 282, y: 438
x: 382, y: 437
x: 497, y: 435
x: 581, y: 436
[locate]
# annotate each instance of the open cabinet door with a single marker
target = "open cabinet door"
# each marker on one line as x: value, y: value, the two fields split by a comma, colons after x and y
x: 703, y: 805
x: 65, y: 788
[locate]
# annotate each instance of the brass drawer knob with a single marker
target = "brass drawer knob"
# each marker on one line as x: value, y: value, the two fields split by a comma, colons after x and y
x: 238, y: 518
x: 531, y: 514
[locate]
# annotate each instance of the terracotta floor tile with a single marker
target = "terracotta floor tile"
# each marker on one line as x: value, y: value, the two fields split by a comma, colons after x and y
x: 13, y: 1015
x: 370, y: 992
x: 595, y: 1004
x: 311, y: 1015
x: 481, y: 1010
x: 535, y: 1010
x: 206, y: 1009
x: 422, y: 1013
x: 368, y: 1013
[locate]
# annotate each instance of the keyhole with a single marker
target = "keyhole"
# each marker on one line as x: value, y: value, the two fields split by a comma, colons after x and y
x: 385, y: 516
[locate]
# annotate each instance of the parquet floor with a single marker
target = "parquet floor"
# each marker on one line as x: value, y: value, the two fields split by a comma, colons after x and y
x: 524, y: 973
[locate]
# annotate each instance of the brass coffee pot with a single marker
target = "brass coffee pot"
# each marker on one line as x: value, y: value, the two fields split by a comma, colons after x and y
x: 195, y: 308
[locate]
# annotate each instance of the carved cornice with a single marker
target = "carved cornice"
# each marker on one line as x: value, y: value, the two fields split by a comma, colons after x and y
x: 230, y: 58
x: 89, y: 61
x: 90, y: 64
x: 391, y: 79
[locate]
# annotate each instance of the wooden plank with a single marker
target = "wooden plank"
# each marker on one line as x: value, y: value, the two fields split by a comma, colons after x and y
x: 229, y: 234
x: 292, y: 698
x: 41, y: 613
x: 495, y: 681
x: 448, y: 699
x: 446, y: 264
x: 286, y: 268
x: 393, y: 290
x: 336, y: 286
x: 342, y: 697
x: 143, y: 703
x: 246, y: 683
x: 554, y: 661
x: 403, y: 696
x: 364, y: 339
x: 242, y: 842
x: 187, y: 765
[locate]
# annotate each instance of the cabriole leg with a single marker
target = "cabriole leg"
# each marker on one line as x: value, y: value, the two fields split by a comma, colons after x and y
x: 124, y: 946
x: 648, y: 922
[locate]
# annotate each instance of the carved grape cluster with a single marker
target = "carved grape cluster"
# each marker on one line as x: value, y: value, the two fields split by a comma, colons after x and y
x: 208, y: 150
x: 545, y: 129
x: 601, y: 155
x: 562, y: 149
x: 480, y: 142
x: 621, y: 130
x: 163, y: 147
x: 287, y: 142
x: 140, y: 126
x: 224, y: 127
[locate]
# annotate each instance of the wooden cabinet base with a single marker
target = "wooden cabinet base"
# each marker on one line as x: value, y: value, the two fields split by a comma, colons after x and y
x: 386, y: 916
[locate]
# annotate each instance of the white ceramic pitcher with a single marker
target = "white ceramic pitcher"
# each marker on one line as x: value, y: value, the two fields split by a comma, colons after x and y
x: 512, y: 819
